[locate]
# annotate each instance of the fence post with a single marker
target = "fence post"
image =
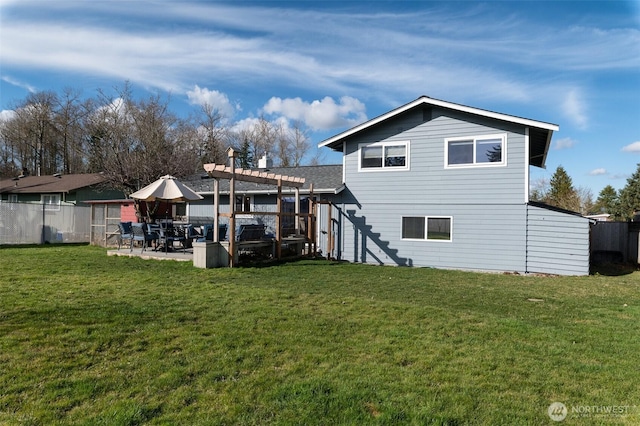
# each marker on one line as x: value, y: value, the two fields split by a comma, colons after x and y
x: 42, y: 237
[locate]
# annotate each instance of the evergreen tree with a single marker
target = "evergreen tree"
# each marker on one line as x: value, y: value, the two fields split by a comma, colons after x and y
x: 561, y: 191
x: 607, y: 201
x: 629, y: 199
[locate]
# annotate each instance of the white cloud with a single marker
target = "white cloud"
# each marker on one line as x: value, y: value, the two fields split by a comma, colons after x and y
x: 218, y: 100
x: 7, y: 114
x: 598, y: 172
x: 18, y: 83
x: 564, y: 143
x: 322, y: 114
x: 632, y: 147
x: 574, y: 108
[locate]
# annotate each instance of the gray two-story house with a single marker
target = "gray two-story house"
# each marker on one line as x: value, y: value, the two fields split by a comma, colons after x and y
x: 438, y: 184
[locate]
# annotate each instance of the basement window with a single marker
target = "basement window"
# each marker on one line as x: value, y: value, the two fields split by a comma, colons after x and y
x: 430, y: 228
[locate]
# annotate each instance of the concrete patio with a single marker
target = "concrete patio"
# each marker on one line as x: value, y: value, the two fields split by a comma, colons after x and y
x: 149, y: 254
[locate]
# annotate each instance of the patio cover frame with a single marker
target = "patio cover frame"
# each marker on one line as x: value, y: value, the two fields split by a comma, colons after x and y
x: 221, y: 171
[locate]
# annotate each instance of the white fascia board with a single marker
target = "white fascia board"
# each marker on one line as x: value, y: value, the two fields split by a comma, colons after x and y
x: 436, y: 102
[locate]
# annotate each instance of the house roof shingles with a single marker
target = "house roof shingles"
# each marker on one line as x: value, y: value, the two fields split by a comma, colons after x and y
x: 325, y: 179
x: 49, y: 184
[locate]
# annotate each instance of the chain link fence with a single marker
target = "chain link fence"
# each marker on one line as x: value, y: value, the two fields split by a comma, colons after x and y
x: 28, y: 223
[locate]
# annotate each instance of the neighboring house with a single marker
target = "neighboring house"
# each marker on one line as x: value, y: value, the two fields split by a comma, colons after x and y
x: 600, y: 217
x: 438, y: 184
x: 56, y: 190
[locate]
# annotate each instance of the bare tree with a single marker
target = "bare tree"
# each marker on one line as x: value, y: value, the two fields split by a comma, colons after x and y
x: 211, y: 148
x: 32, y: 134
x: 292, y: 145
x: 135, y: 142
x: 71, y: 137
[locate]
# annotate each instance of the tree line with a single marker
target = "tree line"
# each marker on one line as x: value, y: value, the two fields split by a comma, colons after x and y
x: 134, y: 141
x: 560, y: 192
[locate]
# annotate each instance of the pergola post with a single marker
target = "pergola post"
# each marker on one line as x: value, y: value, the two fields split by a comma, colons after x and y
x: 232, y: 208
x: 279, y: 221
x: 216, y: 209
x: 297, y: 211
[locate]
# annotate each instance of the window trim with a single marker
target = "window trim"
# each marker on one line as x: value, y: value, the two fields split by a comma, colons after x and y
x: 476, y: 139
x: 383, y: 145
x: 426, y: 228
x: 244, y: 214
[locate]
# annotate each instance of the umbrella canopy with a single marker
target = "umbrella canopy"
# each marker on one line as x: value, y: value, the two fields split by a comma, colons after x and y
x: 167, y: 188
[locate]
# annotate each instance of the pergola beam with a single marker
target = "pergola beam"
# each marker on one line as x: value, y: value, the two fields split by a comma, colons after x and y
x: 221, y: 171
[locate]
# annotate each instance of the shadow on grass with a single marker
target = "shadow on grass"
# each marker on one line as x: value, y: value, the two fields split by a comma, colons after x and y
x: 296, y: 260
x: 611, y: 269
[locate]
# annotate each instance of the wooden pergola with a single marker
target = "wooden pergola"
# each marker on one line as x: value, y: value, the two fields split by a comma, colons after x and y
x: 221, y: 171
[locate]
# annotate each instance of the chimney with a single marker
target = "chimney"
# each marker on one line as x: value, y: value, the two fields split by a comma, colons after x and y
x: 265, y: 162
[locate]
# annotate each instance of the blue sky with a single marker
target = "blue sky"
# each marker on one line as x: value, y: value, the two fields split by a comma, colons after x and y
x: 334, y: 64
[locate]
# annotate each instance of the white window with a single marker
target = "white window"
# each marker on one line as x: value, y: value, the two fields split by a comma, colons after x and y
x: 51, y: 201
x: 430, y: 228
x: 384, y: 156
x: 476, y: 151
x: 13, y: 198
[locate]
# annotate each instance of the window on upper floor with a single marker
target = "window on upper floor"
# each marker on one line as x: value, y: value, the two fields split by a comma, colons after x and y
x: 430, y: 228
x: 478, y: 151
x: 384, y: 156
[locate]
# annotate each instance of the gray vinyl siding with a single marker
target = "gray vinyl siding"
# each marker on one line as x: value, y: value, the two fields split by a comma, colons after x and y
x: 557, y: 243
x: 428, y: 180
x: 486, y: 204
x: 490, y: 238
x: 201, y: 212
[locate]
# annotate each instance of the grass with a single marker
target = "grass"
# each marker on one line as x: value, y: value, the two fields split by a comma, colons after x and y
x: 94, y: 340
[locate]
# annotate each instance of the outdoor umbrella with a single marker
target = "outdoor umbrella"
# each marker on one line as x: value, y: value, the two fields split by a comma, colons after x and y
x: 167, y: 188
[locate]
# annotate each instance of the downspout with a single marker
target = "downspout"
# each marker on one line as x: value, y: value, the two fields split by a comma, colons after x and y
x: 527, y: 176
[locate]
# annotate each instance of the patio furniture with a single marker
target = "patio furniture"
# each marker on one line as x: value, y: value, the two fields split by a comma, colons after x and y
x: 169, y: 235
x: 141, y: 233
x: 207, y: 233
x: 250, y: 232
x: 126, y: 233
x: 190, y: 234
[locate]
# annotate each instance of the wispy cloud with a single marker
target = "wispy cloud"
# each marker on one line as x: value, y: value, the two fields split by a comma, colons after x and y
x: 401, y: 54
x: 598, y: 172
x: 632, y: 147
x: 564, y: 143
x: 18, y: 83
x: 574, y: 108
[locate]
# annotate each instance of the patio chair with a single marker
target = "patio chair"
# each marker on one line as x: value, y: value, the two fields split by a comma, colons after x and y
x: 126, y: 233
x: 142, y: 234
x: 170, y: 235
x: 207, y: 233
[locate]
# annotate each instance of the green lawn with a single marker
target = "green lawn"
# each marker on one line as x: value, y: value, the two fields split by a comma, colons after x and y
x: 97, y: 340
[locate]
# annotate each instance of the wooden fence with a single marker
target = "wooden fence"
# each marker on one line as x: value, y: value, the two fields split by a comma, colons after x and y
x: 615, y: 242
